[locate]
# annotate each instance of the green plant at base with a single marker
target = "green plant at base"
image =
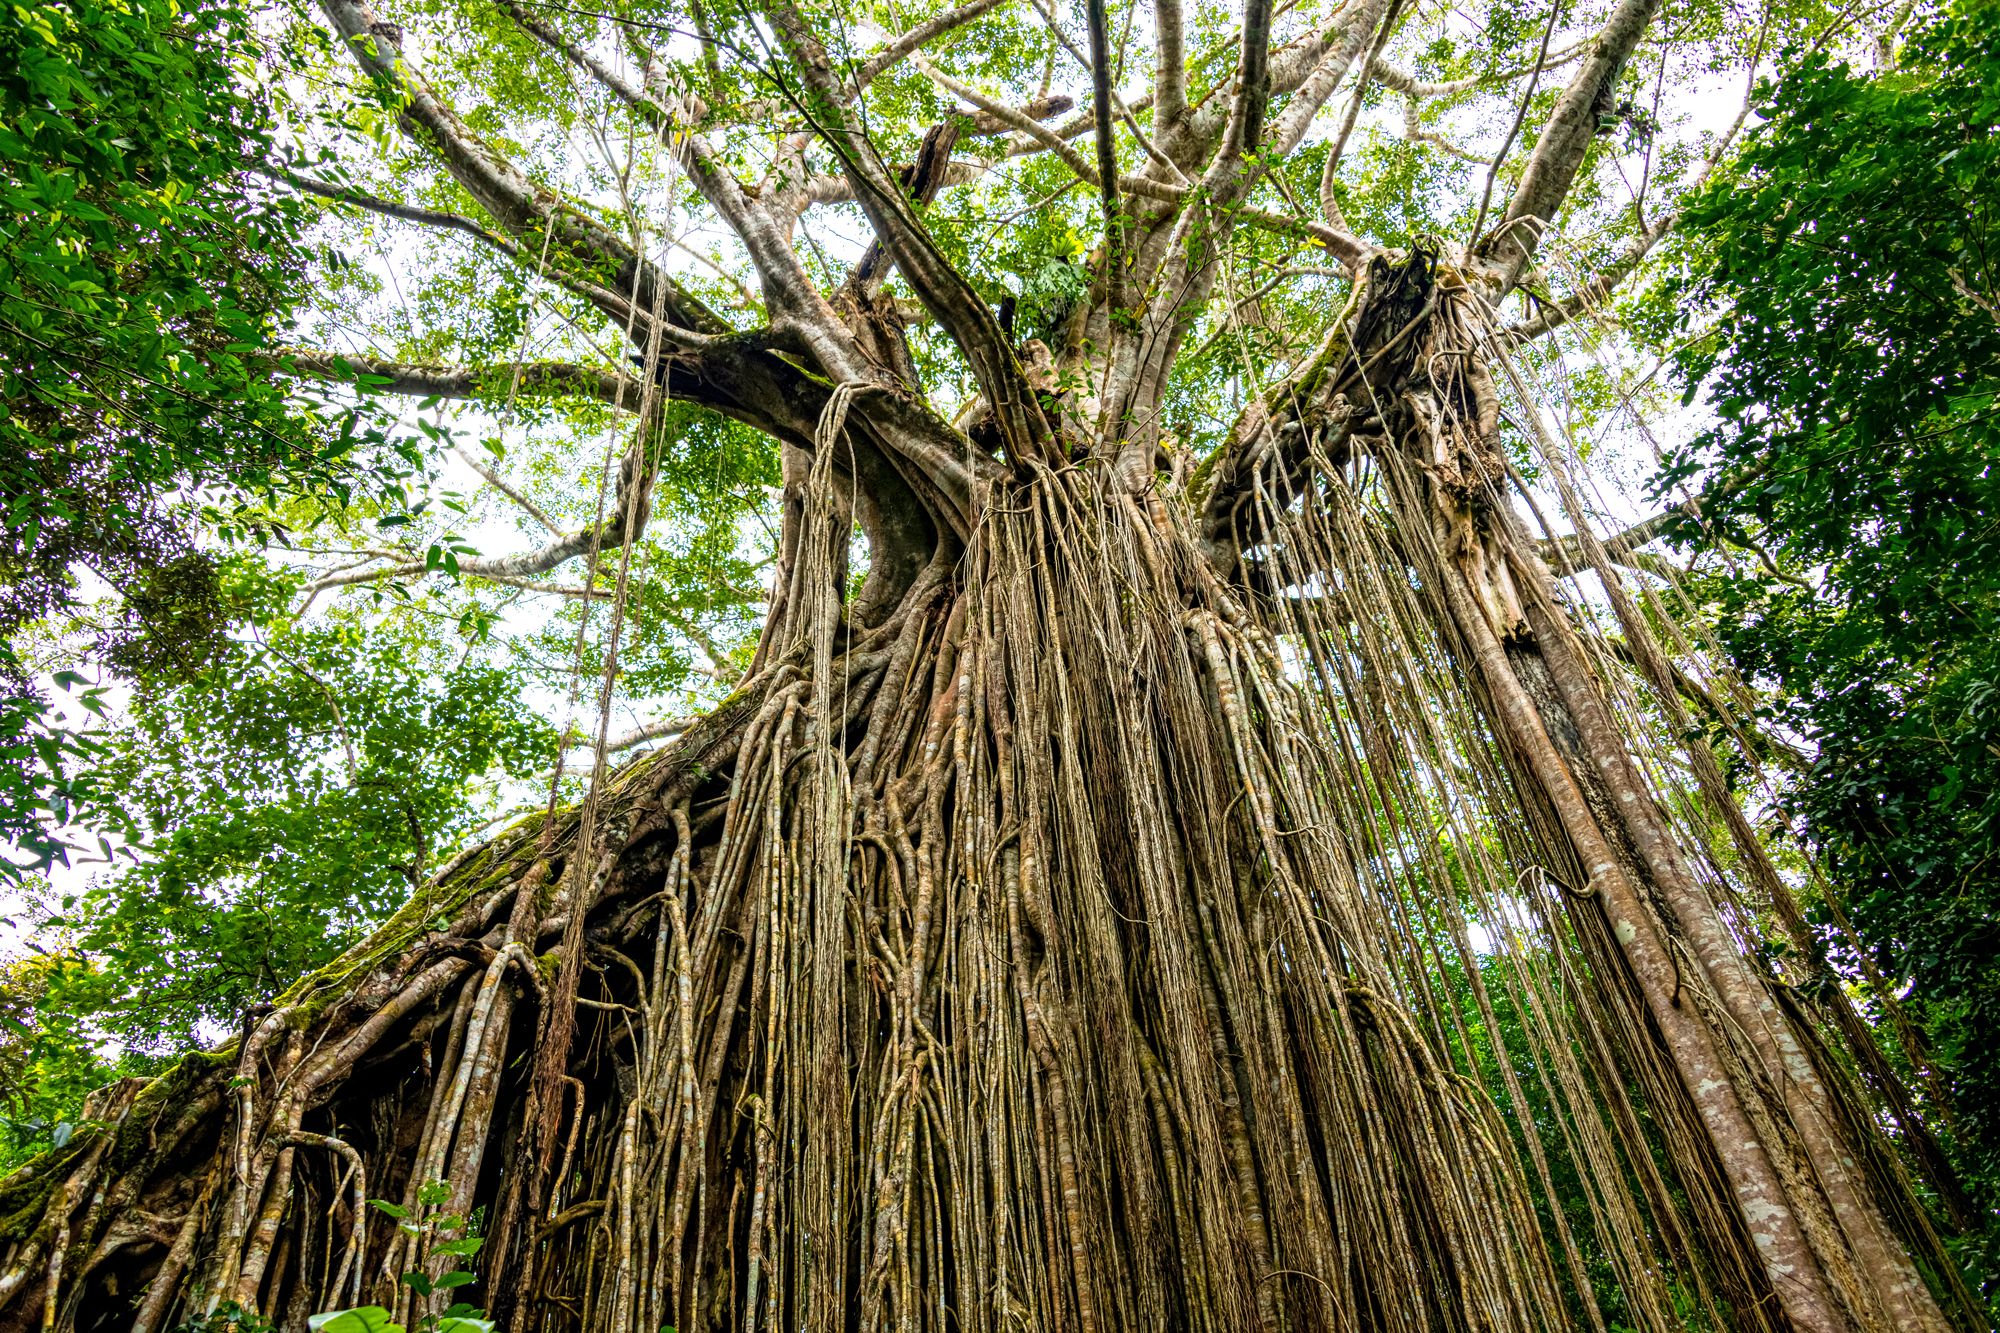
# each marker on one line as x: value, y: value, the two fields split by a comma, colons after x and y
x: 451, y: 1240
x: 374, y: 1319
x: 228, y: 1317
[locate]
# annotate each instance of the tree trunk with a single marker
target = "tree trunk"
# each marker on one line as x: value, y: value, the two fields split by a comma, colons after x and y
x: 1067, y: 936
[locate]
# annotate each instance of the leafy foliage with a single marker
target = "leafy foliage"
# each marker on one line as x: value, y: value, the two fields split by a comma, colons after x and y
x: 49, y: 1062
x: 139, y: 274
x: 1854, y: 368
x: 275, y: 779
x: 452, y: 1242
x: 228, y: 1317
x: 299, y: 787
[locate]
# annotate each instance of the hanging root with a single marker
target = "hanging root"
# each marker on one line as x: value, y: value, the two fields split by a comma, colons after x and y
x: 1083, y: 944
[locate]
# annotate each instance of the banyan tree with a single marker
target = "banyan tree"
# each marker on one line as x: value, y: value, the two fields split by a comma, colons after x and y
x: 1208, y: 839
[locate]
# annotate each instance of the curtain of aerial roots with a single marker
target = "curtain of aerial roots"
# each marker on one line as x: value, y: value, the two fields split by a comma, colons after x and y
x: 1063, y: 998
x: 1648, y: 933
x: 1080, y: 948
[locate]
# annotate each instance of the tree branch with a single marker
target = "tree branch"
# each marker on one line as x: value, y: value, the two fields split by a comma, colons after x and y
x: 1170, y: 65
x: 1253, y: 89
x: 498, y: 483
x: 1390, y: 76
x: 1035, y: 109
x: 1372, y: 19
x: 1753, y: 737
x: 803, y: 193
x: 1329, y: 202
x: 739, y: 374
x: 603, y: 298
x: 1338, y: 242
x: 1414, y: 132
x: 788, y: 293
x: 1564, y: 140
x: 944, y: 291
x: 665, y: 728
x: 840, y: 190
x: 429, y: 217
x: 1594, y: 292
x: 1085, y: 63
x: 1053, y: 140
x: 1514, y: 129
x: 923, y: 179
x: 1107, y: 153
x: 915, y: 40
x: 1566, y: 553
x: 501, y: 188
x: 542, y: 378
x: 513, y: 569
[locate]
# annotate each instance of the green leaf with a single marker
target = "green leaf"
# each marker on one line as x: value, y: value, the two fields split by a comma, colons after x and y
x: 363, y: 1319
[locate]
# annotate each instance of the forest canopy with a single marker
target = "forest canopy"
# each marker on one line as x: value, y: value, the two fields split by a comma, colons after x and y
x: 872, y: 662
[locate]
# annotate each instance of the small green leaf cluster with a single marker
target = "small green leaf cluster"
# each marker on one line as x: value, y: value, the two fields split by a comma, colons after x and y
x: 228, y: 1317
x: 451, y: 1241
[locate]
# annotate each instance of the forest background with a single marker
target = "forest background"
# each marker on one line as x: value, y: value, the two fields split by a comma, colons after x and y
x: 263, y: 674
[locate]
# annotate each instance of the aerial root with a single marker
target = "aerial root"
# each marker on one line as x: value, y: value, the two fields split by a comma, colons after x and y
x: 1059, y: 950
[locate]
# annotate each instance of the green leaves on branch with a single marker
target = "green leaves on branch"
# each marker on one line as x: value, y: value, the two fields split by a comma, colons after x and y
x: 426, y: 1226
x: 141, y: 271
x: 295, y: 790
